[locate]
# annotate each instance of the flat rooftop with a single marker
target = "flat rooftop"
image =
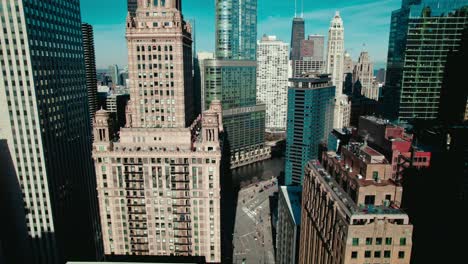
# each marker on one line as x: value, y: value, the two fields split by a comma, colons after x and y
x: 345, y: 201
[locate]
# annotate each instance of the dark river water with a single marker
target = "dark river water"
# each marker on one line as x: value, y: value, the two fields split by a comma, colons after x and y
x: 258, y: 172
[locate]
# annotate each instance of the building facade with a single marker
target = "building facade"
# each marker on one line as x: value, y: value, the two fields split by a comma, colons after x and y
x: 414, y: 79
x: 310, y: 120
x: 90, y: 64
x: 159, y: 179
x: 272, y: 81
x: 231, y: 78
x: 132, y: 6
x: 45, y: 121
x: 355, y: 196
x: 297, y: 36
x: 335, y: 67
x: 313, y: 48
x: 364, y: 74
x: 288, y: 225
x: 199, y: 86
x: 113, y: 73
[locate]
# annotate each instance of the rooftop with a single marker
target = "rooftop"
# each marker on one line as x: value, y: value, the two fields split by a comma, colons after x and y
x: 345, y: 201
x: 292, y: 195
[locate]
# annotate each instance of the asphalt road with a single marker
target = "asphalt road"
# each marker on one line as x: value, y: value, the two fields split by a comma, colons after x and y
x: 252, y: 231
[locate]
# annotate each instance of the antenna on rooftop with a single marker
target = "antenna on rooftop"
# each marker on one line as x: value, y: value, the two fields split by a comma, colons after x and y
x: 295, y: 8
x: 302, y: 10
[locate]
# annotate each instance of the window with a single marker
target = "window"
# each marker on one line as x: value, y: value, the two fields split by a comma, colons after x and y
x: 377, y: 254
x: 378, y: 241
x: 367, y: 254
x: 369, y: 200
x: 401, y: 254
x: 388, y: 241
x: 354, y: 254
x: 369, y: 241
x: 355, y: 241
x: 387, y: 254
x: 403, y: 241
x: 375, y: 175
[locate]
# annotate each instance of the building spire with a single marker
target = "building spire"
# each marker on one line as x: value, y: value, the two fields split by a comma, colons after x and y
x: 302, y: 9
x: 295, y: 8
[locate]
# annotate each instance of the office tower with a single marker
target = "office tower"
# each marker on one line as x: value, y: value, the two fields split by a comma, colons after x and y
x: 288, y: 225
x: 453, y: 94
x: 236, y: 29
x: 231, y: 78
x: 422, y: 34
x: 272, y: 81
x: 45, y: 120
x: 307, y: 66
x: 159, y: 178
x: 348, y: 63
x: 335, y: 67
x: 350, y: 212
x: 310, y: 120
x: 90, y: 64
x: 380, y: 76
x: 199, y: 68
x: 313, y: 48
x: 132, y: 6
x: 364, y: 74
x: 113, y: 73
x: 395, y: 143
x: 297, y: 36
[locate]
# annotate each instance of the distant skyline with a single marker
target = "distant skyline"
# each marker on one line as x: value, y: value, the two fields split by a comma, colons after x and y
x: 365, y: 21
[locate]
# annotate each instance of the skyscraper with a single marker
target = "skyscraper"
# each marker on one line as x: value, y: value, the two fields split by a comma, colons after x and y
x: 236, y: 29
x: 45, y: 121
x: 310, y: 120
x: 335, y: 67
x: 114, y: 74
x: 231, y: 78
x: 297, y: 36
x: 199, y: 86
x: 272, y: 81
x: 421, y: 35
x: 313, y: 48
x: 159, y: 178
x: 90, y: 64
x: 364, y: 74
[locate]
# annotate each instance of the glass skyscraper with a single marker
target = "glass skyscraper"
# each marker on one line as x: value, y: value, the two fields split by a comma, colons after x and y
x: 422, y: 33
x: 311, y: 102
x: 297, y: 36
x: 45, y: 121
x: 231, y: 78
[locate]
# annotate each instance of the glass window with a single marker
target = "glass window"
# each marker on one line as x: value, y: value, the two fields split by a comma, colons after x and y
x: 377, y: 254
x: 387, y: 254
x: 354, y: 254
x: 367, y: 254
x: 388, y: 241
x: 401, y: 254
x: 378, y: 241
x: 403, y: 241
x: 355, y: 241
x: 369, y: 241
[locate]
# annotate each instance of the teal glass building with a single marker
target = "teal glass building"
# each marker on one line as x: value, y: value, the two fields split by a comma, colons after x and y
x: 422, y: 33
x: 232, y: 78
x: 310, y: 120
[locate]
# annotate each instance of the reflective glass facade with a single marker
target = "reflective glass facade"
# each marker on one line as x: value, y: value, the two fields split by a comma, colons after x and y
x: 236, y: 29
x: 422, y: 33
x: 310, y: 120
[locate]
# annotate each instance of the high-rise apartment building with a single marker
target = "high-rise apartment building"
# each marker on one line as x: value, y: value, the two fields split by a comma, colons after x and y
x: 313, y: 48
x: 45, y: 121
x: 272, y: 81
x: 350, y: 212
x: 310, y: 120
x: 364, y: 74
x: 297, y: 36
x: 422, y: 33
x: 159, y: 178
x: 113, y: 72
x: 288, y: 225
x: 90, y: 64
x: 335, y: 67
x: 231, y: 78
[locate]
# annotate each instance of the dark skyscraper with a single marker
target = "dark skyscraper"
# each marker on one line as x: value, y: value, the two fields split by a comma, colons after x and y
x: 45, y: 121
x: 421, y: 35
x: 90, y: 64
x: 297, y: 36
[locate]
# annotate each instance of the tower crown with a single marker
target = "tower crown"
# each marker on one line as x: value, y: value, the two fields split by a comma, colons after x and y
x: 154, y: 4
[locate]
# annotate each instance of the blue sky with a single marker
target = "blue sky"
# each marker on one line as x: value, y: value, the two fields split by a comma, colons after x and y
x: 365, y: 21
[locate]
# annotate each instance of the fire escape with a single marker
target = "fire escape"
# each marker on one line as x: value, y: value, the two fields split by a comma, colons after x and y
x: 180, y: 186
x: 136, y: 214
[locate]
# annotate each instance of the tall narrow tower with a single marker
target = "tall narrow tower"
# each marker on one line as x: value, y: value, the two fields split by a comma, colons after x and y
x: 335, y: 67
x: 90, y: 64
x: 159, y: 178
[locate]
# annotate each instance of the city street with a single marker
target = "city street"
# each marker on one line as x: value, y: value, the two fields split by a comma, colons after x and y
x: 252, y: 232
